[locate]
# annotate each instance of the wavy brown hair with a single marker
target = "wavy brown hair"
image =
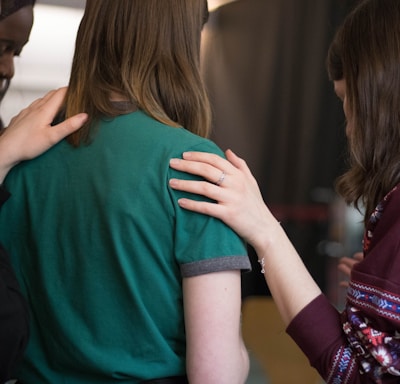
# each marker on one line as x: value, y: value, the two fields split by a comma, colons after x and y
x: 366, y: 53
x: 148, y: 52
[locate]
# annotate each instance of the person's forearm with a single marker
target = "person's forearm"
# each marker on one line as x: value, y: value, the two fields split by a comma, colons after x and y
x: 5, y: 165
x: 3, y: 172
x: 289, y: 281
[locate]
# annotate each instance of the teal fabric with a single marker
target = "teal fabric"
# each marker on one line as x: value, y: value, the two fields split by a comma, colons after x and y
x: 99, y: 244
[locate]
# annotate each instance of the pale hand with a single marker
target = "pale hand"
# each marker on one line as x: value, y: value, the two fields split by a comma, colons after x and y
x: 239, y: 201
x: 30, y: 133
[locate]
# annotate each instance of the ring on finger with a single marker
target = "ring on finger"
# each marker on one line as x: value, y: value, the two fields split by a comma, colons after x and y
x: 221, y: 178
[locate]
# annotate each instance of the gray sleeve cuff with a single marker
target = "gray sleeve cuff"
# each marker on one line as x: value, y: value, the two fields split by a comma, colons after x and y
x: 217, y: 264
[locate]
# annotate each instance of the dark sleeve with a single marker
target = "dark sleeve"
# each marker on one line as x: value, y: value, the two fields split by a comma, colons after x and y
x: 13, y: 319
x: 372, y: 307
x: 4, y: 195
x: 13, y: 314
x: 317, y: 330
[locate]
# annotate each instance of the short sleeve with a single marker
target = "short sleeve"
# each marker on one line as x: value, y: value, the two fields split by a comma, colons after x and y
x: 204, y: 244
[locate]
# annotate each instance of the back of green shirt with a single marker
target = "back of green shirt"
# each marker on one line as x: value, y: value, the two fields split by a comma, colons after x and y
x: 100, y: 248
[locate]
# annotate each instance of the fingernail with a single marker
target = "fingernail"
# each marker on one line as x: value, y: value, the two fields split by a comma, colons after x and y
x: 173, y: 182
x: 186, y: 155
x: 83, y: 117
x: 182, y: 202
x: 173, y: 161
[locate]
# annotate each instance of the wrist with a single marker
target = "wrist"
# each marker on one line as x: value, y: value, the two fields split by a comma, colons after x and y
x: 272, y: 250
x: 3, y: 174
x: 270, y: 239
x: 5, y: 167
x: 5, y: 163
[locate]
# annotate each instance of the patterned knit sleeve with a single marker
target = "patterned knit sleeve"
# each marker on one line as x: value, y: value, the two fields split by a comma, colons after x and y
x: 362, y: 344
x: 317, y: 330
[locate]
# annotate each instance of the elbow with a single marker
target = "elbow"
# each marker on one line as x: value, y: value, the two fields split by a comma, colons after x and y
x: 232, y: 369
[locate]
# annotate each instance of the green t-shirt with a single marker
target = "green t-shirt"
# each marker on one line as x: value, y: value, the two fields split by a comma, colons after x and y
x: 100, y: 246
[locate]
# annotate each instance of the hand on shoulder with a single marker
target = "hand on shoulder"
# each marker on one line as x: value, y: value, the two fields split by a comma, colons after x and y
x: 30, y: 133
x: 238, y: 200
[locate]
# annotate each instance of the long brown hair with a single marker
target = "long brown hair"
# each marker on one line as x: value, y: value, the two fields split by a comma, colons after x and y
x: 366, y: 53
x: 148, y: 51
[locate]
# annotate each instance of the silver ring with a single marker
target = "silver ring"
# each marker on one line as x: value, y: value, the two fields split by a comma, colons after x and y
x: 221, y: 178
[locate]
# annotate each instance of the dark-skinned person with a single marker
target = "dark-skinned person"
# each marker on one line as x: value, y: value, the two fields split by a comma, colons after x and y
x: 16, y: 20
x: 28, y: 135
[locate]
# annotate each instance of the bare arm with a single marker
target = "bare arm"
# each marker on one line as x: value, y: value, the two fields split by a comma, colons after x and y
x: 215, y: 350
x: 30, y: 132
x: 240, y: 205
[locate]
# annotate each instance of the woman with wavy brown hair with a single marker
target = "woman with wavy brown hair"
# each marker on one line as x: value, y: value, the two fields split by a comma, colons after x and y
x: 123, y: 285
x: 361, y: 344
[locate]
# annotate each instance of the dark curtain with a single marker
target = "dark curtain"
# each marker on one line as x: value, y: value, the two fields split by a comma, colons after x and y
x: 263, y: 62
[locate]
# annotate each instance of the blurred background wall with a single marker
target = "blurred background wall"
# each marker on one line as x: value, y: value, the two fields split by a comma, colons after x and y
x: 264, y: 65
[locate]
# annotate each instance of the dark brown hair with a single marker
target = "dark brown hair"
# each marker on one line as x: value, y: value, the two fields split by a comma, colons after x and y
x: 366, y: 54
x: 8, y: 7
x: 146, y: 51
